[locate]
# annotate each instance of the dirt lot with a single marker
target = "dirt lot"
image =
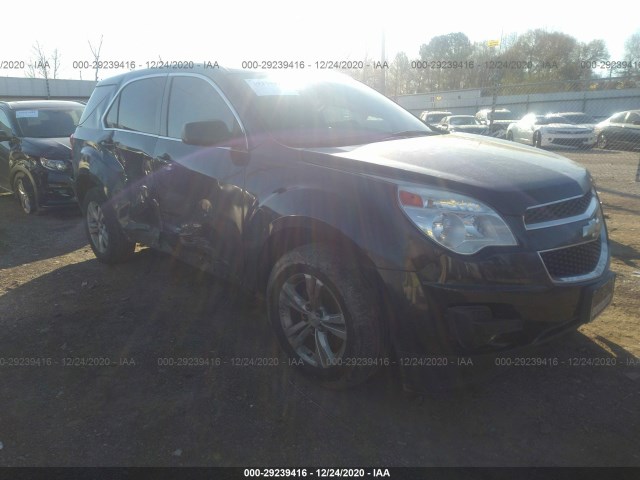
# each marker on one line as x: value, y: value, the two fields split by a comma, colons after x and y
x: 58, y: 303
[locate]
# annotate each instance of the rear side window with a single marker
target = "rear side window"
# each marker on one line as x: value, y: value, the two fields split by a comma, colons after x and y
x: 96, y: 106
x: 192, y: 99
x: 139, y: 106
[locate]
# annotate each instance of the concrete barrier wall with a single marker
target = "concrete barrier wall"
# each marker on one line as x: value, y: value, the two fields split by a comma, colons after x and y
x: 600, y: 103
x: 12, y: 88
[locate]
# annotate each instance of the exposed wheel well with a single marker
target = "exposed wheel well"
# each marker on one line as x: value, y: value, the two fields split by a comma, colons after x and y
x: 84, y: 183
x: 288, y: 239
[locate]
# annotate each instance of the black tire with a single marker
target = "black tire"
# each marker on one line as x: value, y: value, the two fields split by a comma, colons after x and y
x: 351, y: 331
x: 26, y: 194
x: 510, y: 136
x: 537, y: 140
x: 603, y: 141
x: 104, y: 234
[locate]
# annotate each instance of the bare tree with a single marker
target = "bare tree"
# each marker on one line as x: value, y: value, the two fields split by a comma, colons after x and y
x: 55, y: 62
x: 96, y: 55
x: 40, y: 66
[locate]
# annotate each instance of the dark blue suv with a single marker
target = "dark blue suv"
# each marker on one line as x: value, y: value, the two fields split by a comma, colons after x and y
x: 374, y: 239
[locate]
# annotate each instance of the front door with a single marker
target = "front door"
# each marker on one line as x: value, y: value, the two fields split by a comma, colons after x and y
x: 200, y: 189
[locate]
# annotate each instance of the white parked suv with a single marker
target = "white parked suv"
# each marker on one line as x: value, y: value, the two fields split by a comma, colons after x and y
x: 549, y: 130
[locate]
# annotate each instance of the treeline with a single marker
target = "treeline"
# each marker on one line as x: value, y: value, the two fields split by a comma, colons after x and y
x: 452, y: 61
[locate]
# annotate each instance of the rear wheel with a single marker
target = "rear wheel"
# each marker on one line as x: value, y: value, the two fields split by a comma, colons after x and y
x: 105, y: 236
x: 324, y: 316
x: 25, y: 192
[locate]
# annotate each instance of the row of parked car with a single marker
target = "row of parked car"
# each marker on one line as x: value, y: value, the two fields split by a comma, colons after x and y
x: 576, y: 129
x: 374, y: 239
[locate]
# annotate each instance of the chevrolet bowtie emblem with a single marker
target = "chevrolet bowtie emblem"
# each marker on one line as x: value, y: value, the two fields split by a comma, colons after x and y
x: 591, y: 229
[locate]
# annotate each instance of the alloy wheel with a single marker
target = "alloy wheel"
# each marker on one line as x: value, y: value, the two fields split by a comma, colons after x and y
x: 23, y: 195
x: 312, y: 320
x: 97, y: 227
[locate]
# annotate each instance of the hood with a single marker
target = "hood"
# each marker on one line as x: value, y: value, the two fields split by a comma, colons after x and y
x: 506, y: 175
x: 54, y: 148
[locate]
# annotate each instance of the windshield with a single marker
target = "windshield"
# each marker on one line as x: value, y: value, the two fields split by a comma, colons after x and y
x: 462, y: 121
x: 435, y: 117
x: 498, y: 115
x: 48, y: 122
x: 305, y: 111
x: 553, y: 119
x: 578, y: 118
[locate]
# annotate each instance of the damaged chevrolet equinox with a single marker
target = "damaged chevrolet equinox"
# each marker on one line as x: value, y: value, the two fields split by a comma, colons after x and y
x: 372, y: 238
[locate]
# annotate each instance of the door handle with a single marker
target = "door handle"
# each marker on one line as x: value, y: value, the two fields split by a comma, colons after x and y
x: 164, y: 158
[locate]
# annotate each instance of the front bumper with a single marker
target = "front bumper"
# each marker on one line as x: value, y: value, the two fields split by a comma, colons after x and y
x: 447, y: 325
x: 568, y: 140
x: 54, y: 189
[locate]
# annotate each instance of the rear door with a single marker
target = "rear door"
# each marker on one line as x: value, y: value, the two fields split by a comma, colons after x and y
x: 631, y: 130
x: 134, y: 120
x: 200, y: 189
x: 615, y: 129
x: 5, y: 125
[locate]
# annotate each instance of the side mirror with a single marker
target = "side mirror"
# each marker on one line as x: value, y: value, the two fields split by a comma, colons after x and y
x: 5, y: 137
x: 206, y: 133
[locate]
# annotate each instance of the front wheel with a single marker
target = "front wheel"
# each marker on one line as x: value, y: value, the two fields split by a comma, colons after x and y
x: 324, y: 316
x: 603, y: 141
x: 105, y: 236
x: 26, y: 193
x: 510, y: 136
x: 537, y: 140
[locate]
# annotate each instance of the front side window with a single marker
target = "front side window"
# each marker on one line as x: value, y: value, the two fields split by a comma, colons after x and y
x: 193, y: 99
x: 633, y: 118
x: 618, y: 117
x: 138, y: 106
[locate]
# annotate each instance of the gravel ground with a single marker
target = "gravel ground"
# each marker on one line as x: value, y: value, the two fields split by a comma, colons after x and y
x: 58, y: 304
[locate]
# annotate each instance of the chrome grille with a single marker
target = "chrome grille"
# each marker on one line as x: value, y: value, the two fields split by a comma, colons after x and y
x: 558, y: 210
x: 572, y: 261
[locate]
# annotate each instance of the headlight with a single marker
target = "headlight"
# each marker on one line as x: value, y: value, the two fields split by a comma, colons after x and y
x: 58, y: 165
x: 459, y: 223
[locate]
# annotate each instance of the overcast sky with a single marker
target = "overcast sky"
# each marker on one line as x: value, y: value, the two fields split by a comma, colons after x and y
x: 284, y: 30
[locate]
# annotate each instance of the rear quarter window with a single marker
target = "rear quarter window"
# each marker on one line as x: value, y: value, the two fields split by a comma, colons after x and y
x: 139, y: 106
x: 97, y: 105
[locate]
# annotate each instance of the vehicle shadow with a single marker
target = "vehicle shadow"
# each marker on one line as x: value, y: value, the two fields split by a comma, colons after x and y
x: 28, y: 238
x: 155, y: 363
x: 625, y: 253
x: 618, y: 193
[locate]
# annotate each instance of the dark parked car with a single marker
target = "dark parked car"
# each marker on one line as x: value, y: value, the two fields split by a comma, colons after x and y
x: 464, y: 124
x: 497, y: 121
x: 35, y: 155
x: 374, y: 239
x: 434, y: 116
x: 621, y: 130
